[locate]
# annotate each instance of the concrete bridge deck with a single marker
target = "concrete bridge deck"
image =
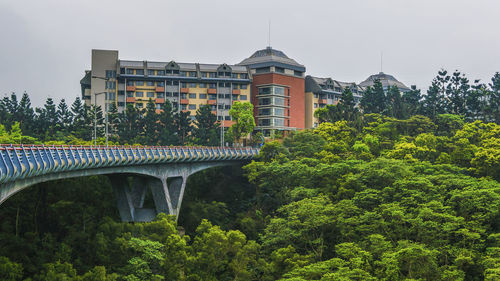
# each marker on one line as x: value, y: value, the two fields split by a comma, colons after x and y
x: 163, y: 170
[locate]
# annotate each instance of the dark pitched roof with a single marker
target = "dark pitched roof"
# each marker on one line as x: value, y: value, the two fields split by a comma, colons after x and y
x: 386, y: 80
x: 270, y: 55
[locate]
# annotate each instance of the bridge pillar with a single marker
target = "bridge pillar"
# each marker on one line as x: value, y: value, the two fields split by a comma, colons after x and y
x: 167, y: 195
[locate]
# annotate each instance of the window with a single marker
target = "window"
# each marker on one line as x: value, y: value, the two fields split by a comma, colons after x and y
x: 243, y: 76
x: 175, y: 94
x: 110, y: 73
x: 221, y: 96
x: 130, y: 71
x: 219, y: 117
x: 234, y: 75
x: 279, y: 122
x: 139, y: 94
x: 192, y: 106
x: 227, y: 117
x: 279, y: 69
x: 158, y: 106
x: 183, y: 73
x: 183, y: 106
x: 315, y: 105
x: 192, y: 73
x: 279, y: 91
x: 161, y: 73
x: 139, y: 105
x: 202, y: 85
x: 110, y: 85
x: 183, y: 85
x: 121, y: 93
x: 122, y: 70
x: 150, y: 94
x: 243, y: 97
x: 150, y: 83
x: 227, y: 106
x: 212, y: 85
x: 220, y: 74
x: 297, y: 73
x: 235, y: 97
x: 139, y: 83
x: 279, y: 111
x: 139, y: 72
x: 160, y: 84
x: 160, y: 95
x: 235, y: 86
x: 264, y: 111
x: 130, y: 94
x: 227, y: 96
x: 121, y: 103
x: 183, y: 96
x: 203, y: 74
x: 279, y: 101
x: 130, y: 83
x: 262, y: 70
x: 110, y: 96
x: 228, y: 85
x: 264, y: 122
x: 192, y: 85
x: 243, y: 86
x: 151, y: 72
x: 213, y: 107
x: 211, y: 74
x: 265, y: 101
x: 169, y: 94
x: 203, y: 96
x: 175, y: 83
x: 192, y: 96
x: 212, y: 97
x: 220, y: 106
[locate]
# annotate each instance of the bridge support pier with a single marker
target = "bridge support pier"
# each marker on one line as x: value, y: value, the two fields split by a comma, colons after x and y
x: 167, y: 195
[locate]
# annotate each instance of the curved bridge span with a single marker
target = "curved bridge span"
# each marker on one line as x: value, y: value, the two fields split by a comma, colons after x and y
x: 162, y: 170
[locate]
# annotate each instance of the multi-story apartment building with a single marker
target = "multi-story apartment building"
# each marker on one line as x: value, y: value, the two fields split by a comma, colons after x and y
x: 321, y: 92
x: 283, y: 98
x: 277, y: 91
x: 186, y: 85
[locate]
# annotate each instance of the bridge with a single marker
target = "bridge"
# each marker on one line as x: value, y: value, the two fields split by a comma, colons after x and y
x: 163, y: 170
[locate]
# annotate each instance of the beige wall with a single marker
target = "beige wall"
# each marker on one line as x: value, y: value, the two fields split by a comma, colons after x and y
x: 102, y: 60
x: 309, y: 120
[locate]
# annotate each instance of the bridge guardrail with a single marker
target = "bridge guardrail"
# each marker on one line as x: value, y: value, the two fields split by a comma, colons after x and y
x: 24, y: 161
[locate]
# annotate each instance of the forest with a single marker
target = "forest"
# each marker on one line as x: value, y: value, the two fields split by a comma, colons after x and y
x: 404, y: 186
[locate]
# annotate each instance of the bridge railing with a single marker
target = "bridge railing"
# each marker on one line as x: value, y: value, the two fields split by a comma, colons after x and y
x: 23, y: 161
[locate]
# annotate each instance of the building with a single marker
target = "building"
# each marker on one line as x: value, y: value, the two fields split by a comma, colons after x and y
x: 320, y: 92
x: 386, y: 80
x: 186, y: 85
x: 277, y: 91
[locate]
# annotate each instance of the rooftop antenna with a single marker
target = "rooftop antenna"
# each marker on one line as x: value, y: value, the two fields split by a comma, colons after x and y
x: 269, y: 35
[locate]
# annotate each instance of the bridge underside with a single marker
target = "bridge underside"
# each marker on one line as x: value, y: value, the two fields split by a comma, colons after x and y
x: 166, y: 183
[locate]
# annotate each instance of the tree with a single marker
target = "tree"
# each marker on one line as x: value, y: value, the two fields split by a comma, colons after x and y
x: 433, y: 102
x: 129, y: 126
x: 167, y: 134
x: 411, y: 102
x: 182, y: 123
x: 374, y: 99
x: 395, y: 103
x: 242, y: 115
x: 206, y: 127
x: 26, y: 117
x: 149, y: 125
x: 64, y: 116
x: 457, y: 92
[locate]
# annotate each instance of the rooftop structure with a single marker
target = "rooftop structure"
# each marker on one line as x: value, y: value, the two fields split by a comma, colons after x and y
x: 386, y: 80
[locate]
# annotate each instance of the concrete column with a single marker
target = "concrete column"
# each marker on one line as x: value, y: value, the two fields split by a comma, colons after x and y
x: 123, y: 200
x: 130, y: 198
x: 176, y: 190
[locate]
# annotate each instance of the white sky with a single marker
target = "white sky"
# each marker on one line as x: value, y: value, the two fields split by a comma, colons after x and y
x: 45, y: 45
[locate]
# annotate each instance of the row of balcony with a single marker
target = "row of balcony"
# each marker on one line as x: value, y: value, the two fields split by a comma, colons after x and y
x: 159, y: 100
x: 184, y: 90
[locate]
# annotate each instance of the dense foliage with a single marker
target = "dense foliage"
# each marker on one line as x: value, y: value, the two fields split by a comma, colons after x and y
x: 369, y: 196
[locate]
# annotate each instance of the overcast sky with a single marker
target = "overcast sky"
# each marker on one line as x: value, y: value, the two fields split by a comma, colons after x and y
x: 46, y: 45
